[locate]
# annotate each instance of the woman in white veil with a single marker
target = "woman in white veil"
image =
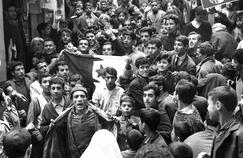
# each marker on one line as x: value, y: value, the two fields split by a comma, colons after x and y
x: 103, y: 145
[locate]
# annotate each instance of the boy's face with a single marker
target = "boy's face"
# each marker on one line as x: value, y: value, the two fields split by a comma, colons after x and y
x: 126, y: 108
x: 45, y: 83
x: 56, y: 91
x: 149, y: 98
x: 179, y: 47
x: 66, y: 37
x: 143, y: 70
x: 19, y: 72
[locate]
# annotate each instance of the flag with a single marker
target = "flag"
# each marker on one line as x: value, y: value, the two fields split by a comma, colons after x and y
x: 91, y: 67
x: 212, y: 3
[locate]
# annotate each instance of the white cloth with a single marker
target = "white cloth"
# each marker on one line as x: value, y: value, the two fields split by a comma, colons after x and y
x: 109, y: 101
x: 35, y: 90
x: 102, y: 145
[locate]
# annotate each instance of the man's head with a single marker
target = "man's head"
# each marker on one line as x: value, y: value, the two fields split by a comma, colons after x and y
x: 200, y: 14
x: 179, y: 148
x: 83, y: 45
x: 155, y: 6
x: 127, y: 104
x: 172, y: 22
x: 90, y: 35
x: 237, y: 60
x: 57, y: 87
x: 37, y: 45
x: 134, y: 139
x: 17, y: 69
x: 181, y: 45
x: 185, y: 91
x: 49, y: 46
x: 44, y: 29
x: 204, y: 50
x: 62, y: 69
x: 17, y: 143
x: 145, y: 34
x: 79, y: 96
x: 128, y: 39
x: 150, y: 93
x: 194, y: 39
x: 44, y: 80
x: 66, y: 35
x: 41, y: 67
x: 110, y: 77
x: 142, y: 65
x: 88, y: 8
x: 154, y: 45
x: 221, y: 100
x: 103, y: 5
x: 107, y: 49
x: 12, y: 12
x: 76, y: 79
x: 150, y: 119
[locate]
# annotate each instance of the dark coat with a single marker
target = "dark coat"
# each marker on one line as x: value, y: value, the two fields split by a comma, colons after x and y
x: 187, y: 65
x: 228, y: 142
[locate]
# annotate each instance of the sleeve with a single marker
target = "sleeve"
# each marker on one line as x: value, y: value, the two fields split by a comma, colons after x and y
x: 33, y: 112
x: 137, y: 93
x: 119, y: 49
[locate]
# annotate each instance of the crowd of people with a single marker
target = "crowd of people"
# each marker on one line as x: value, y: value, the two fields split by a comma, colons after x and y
x: 181, y: 94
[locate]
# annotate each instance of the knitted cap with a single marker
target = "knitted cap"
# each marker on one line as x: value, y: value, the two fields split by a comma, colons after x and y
x: 79, y: 87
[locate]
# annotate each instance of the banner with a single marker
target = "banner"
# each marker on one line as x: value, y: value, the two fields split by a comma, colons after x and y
x: 212, y: 3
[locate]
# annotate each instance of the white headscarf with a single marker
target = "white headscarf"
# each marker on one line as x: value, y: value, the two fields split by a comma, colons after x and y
x: 102, y: 145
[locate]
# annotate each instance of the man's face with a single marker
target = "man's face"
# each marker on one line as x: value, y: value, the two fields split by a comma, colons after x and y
x: 127, y: 40
x: 162, y: 65
x: 46, y: 31
x: 149, y: 98
x: 199, y: 56
x: 42, y: 68
x: 145, y: 37
x: 193, y: 40
x: 151, y: 49
x: 12, y: 12
x: 180, y: 49
x: 121, y: 16
x: 80, y: 100
x: 143, y: 70
x: 107, y: 49
x: 83, y: 45
x: 171, y: 25
x: 66, y: 37
x: 19, y: 72
x: 110, y: 81
x: 236, y: 64
x: 154, y: 6
x: 91, y: 37
x: 63, y: 71
x: 88, y: 9
x: 126, y: 108
x: 103, y: 6
x: 56, y: 91
x: 212, y: 110
x: 164, y: 29
x: 49, y: 47
x: 127, y: 24
x: 37, y: 46
x: 45, y: 83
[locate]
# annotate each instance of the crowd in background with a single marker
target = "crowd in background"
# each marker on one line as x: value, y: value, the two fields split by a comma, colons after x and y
x: 181, y: 94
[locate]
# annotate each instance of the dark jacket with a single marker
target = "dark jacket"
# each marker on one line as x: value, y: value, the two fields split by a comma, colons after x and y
x: 187, y: 65
x: 228, y: 142
x: 135, y: 90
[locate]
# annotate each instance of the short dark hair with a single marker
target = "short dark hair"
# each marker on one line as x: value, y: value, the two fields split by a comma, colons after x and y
x: 76, y: 77
x: 57, y: 80
x: 129, y: 33
x: 183, y: 39
x: 111, y: 71
x: 179, y: 148
x: 226, y: 95
x: 238, y: 56
x: 60, y: 63
x: 49, y: 40
x: 13, y: 65
x: 155, y: 41
x: 16, y: 142
x: 186, y: 91
x: 146, y: 29
x: 141, y: 61
x: 127, y: 98
x: 153, y: 151
x: 134, y: 139
x: 41, y: 76
x: 206, y: 48
x: 66, y: 30
x: 42, y: 26
x: 182, y: 129
x: 163, y: 55
x: 152, y: 86
x: 38, y: 62
x: 163, y: 81
x: 173, y: 17
x: 150, y: 117
x: 83, y: 38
